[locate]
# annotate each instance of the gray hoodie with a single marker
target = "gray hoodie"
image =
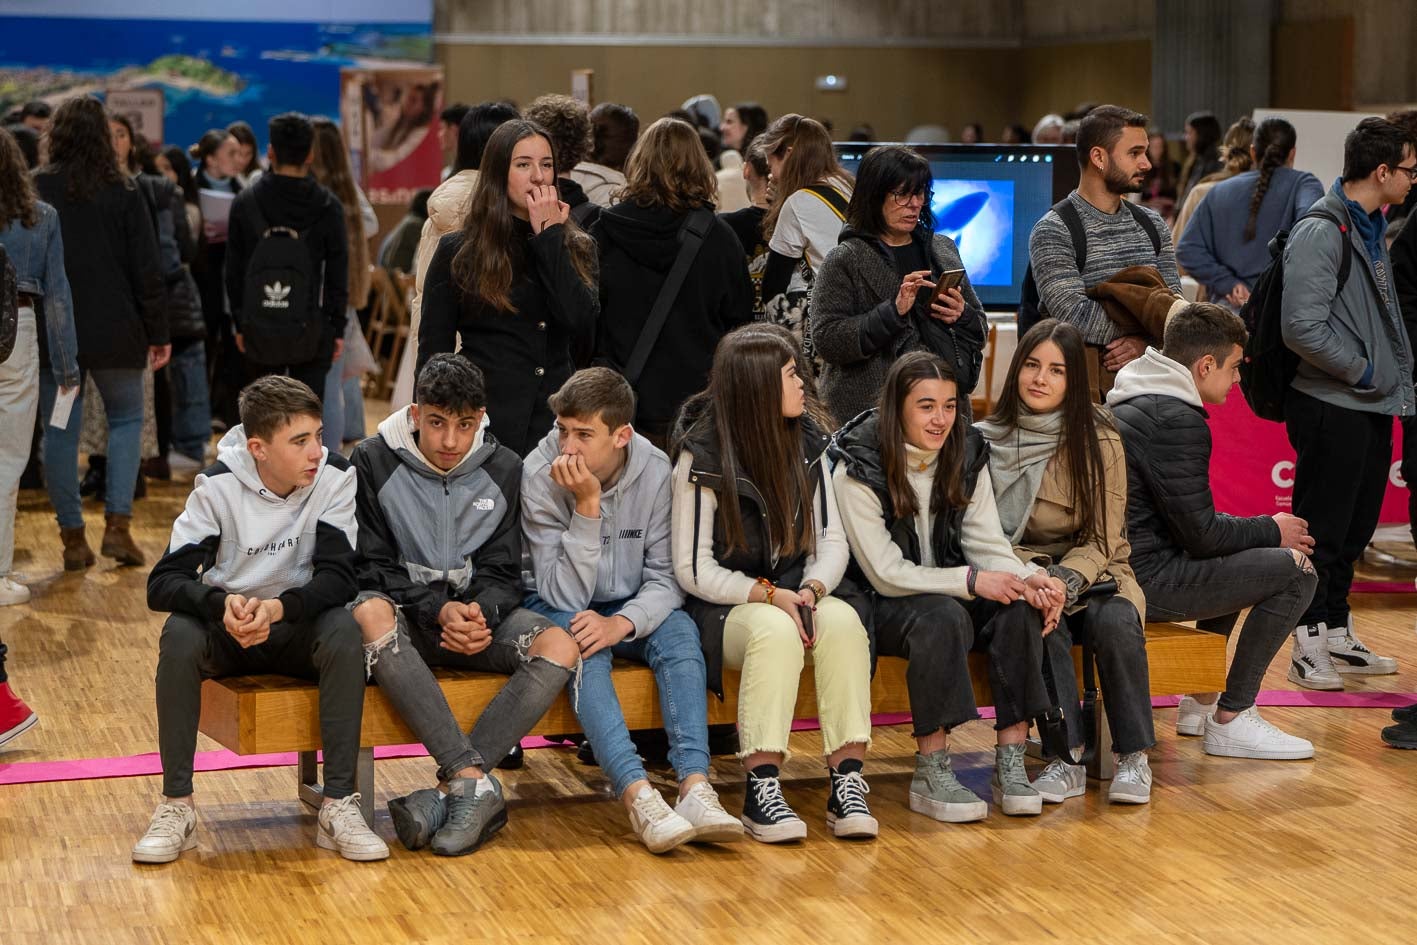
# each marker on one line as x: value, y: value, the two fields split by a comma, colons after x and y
x: 579, y: 561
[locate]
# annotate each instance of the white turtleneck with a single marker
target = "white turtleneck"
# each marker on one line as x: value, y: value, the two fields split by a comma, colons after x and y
x: 887, y: 568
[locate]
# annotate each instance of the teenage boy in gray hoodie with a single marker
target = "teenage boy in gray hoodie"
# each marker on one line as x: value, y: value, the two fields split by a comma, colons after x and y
x: 440, y: 567
x: 596, y: 512
x: 256, y: 577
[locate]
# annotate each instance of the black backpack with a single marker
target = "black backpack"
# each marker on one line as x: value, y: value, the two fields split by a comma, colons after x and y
x: 1269, y: 366
x: 281, y: 322
x: 1030, y: 306
x: 9, y: 305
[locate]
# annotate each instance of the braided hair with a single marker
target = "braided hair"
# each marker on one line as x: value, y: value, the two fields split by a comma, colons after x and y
x: 1274, y: 139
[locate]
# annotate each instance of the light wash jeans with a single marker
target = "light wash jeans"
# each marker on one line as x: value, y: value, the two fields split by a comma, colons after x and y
x: 191, y: 402
x: 122, y: 392
x: 673, y: 653
x: 19, y: 376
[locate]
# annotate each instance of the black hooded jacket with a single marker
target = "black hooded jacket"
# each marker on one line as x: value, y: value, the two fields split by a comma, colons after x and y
x: 638, y: 246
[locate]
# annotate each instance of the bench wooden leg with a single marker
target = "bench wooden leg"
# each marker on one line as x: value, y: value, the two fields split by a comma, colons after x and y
x: 311, y: 792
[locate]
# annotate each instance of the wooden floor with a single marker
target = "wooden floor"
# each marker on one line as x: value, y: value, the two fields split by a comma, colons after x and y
x: 1228, y: 850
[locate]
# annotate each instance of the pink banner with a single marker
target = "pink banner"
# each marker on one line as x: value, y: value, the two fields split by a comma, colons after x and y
x: 1252, y: 464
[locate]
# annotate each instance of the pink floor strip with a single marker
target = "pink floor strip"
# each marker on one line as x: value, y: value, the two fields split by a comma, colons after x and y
x: 83, y: 769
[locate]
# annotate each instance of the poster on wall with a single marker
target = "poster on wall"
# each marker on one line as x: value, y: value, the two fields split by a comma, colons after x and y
x: 143, y: 107
x: 212, y: 64
x: 390, y: 119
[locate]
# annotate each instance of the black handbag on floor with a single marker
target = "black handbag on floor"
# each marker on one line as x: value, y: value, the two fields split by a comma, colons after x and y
x: 1052, y: 725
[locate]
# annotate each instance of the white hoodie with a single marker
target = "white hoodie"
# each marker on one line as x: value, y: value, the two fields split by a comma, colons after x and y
x: 1154, y: 373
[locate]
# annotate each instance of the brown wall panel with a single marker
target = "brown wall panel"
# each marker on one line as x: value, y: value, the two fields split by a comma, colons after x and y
x: 1313, y: 65
x: 1056, y: 78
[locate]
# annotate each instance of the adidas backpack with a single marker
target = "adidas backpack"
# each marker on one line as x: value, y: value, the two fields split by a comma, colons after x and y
x: 1269, y: 366
x: 281, y: 322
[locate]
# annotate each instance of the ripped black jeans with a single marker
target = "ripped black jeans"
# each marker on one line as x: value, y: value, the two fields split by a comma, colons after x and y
x: 1213, y: 591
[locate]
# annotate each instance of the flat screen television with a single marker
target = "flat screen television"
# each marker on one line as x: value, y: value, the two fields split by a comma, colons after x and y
x: 987, y: 197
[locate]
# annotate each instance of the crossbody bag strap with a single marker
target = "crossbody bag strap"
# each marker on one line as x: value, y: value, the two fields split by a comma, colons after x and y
x: 691, y: 239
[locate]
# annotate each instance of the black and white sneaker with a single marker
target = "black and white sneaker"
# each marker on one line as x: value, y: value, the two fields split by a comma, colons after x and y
x: 766, y: 816
x: 847, y: 813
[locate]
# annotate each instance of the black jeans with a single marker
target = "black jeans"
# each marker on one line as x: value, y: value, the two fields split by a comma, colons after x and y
x: 1213, y: 591
x: 935, y: 633
x: 1114, y: 628
x: 1409, y: 470
x: 1339, y: 481
x: 327, y: 649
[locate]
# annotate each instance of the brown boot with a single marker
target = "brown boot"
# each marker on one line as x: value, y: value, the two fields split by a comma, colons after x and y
x: 77, y: 554
x: 117, y: 542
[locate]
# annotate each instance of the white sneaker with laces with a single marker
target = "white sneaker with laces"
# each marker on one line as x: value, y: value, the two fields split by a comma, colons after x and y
x: 1060, y: 781
x: 1310, y: 665
x: 172, y: 829
x: 1192, y: 713
x: 712, y: 824
x: 342, y: 829
x: 1249, y: 735
x: 1349, y: 655
x: 1132, y: 782
x: 659, y: 828
x: 12, y: 592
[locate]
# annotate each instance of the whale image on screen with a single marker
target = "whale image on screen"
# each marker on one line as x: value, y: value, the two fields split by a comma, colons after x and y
x: 979, y: 216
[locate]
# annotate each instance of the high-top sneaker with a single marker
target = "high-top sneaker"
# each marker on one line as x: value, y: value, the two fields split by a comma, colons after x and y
x: 15, y: 716
x: 766, y: 816
x: 847, y: 813
x: 1012, y: 792
x: 1349, y: 655
x: 1310, y: 665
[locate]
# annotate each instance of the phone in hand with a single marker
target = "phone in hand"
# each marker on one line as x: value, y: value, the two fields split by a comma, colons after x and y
x: 949, y: 279
x: 808, y: 627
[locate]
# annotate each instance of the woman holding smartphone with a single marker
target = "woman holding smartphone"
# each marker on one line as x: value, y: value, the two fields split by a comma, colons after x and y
x: 1060, y: 482
x: 918, y: 508
x: 874, y: 298
x: 759, y: 548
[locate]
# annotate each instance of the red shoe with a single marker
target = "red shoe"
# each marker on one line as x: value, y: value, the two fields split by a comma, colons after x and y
x: 15, y: 716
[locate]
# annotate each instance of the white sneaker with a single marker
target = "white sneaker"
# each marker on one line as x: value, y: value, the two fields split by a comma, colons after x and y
x: 1132, y: 783
x: 181, y: 464
x: 1060, y: 781
x: 1248, y: 735
x: 659, y: 828
x: 1349, y: 655
x: 342, y: 829
x: 1191, y: 715
x: 12, y: 593
x: 712, y: 824
x: 1310, y: 665
x: 172, y: 830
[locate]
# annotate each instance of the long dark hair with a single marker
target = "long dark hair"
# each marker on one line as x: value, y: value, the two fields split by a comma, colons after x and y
x: 1079, y: 444
x: 182, y: 167
x: 744, y: 409
x: 17, y: 196
x: 476, y: 128
x: 492, y: 255
x: 1274, y: 139
x: 888, y: 169
x: 206, y: 146
x: 81, y: 144
x: 947, y: 491
x: 755, y: 121
x: 808, y: 158
x: 245, y: 135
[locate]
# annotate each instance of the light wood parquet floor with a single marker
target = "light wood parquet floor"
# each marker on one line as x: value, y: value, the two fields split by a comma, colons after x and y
x: 1228, y: 850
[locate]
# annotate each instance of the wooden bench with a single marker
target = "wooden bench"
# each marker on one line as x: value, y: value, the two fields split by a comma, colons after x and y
x: 252, y: 715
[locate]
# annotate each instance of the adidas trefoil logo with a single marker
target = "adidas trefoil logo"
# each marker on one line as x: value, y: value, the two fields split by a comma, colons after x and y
x: 276, y: 296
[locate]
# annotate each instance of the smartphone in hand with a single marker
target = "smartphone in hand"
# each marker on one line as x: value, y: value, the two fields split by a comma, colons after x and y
x: 808, y: 627
x: 949, y: 279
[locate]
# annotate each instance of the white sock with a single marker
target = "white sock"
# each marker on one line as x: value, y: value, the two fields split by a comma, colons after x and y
x: 484, y: 786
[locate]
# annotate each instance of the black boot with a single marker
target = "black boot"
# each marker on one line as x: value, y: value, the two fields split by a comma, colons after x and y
x: 96, y: 478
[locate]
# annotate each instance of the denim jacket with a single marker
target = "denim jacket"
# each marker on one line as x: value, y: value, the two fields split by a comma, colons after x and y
x: 38, y: 257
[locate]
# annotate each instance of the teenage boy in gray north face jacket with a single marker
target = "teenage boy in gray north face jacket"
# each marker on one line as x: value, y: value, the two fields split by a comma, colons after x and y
x: 596, y: 512
x: 440, y: 572
x: 1354, y: 376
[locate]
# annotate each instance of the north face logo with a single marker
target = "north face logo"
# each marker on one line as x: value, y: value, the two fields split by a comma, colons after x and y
x: 276, y: 296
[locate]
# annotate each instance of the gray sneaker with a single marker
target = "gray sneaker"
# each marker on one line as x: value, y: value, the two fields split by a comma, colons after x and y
x: 472, y: 818
x: 1132, y: 782
x: 936, y: 792
x: 418, y: 816
x: 1060, y: 781
x: 1012, y: 791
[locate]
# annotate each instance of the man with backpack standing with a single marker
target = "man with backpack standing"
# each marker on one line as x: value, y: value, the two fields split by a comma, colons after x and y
x: 1095, y: 233
x: 1354, y: 375
x: 287, y: 262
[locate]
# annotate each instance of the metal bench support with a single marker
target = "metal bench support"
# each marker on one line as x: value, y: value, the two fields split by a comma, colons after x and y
x: 310, y: 790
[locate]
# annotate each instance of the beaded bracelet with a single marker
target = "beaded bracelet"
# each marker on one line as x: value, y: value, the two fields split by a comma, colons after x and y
x: 768, y: 589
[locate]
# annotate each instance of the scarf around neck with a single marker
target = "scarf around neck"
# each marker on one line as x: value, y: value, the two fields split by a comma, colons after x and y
x: 1018, y: 457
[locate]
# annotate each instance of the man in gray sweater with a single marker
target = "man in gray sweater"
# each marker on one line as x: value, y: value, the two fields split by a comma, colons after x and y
x: 596, y: 511
x: 1111, y: 145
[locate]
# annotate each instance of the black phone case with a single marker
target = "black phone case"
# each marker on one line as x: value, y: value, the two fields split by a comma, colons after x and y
x: 807, y: 625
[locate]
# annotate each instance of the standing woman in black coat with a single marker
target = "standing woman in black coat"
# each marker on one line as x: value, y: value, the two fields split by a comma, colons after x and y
x: 111, y: 257
x: 668, y: 177
x: 517, y: 284
x: 217, y: 160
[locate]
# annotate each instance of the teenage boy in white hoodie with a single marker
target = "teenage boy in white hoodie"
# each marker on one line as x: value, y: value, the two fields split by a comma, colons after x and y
x: 440, y: 572
x: 596, y: 513
x: 256, y: 577
x: 1192, y: 562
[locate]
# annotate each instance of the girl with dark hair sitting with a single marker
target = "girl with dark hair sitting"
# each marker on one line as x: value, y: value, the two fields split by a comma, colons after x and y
x: 918, y: 507
x: 1060, y: 481
x: 758, y: 548
x: 872, y: 298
